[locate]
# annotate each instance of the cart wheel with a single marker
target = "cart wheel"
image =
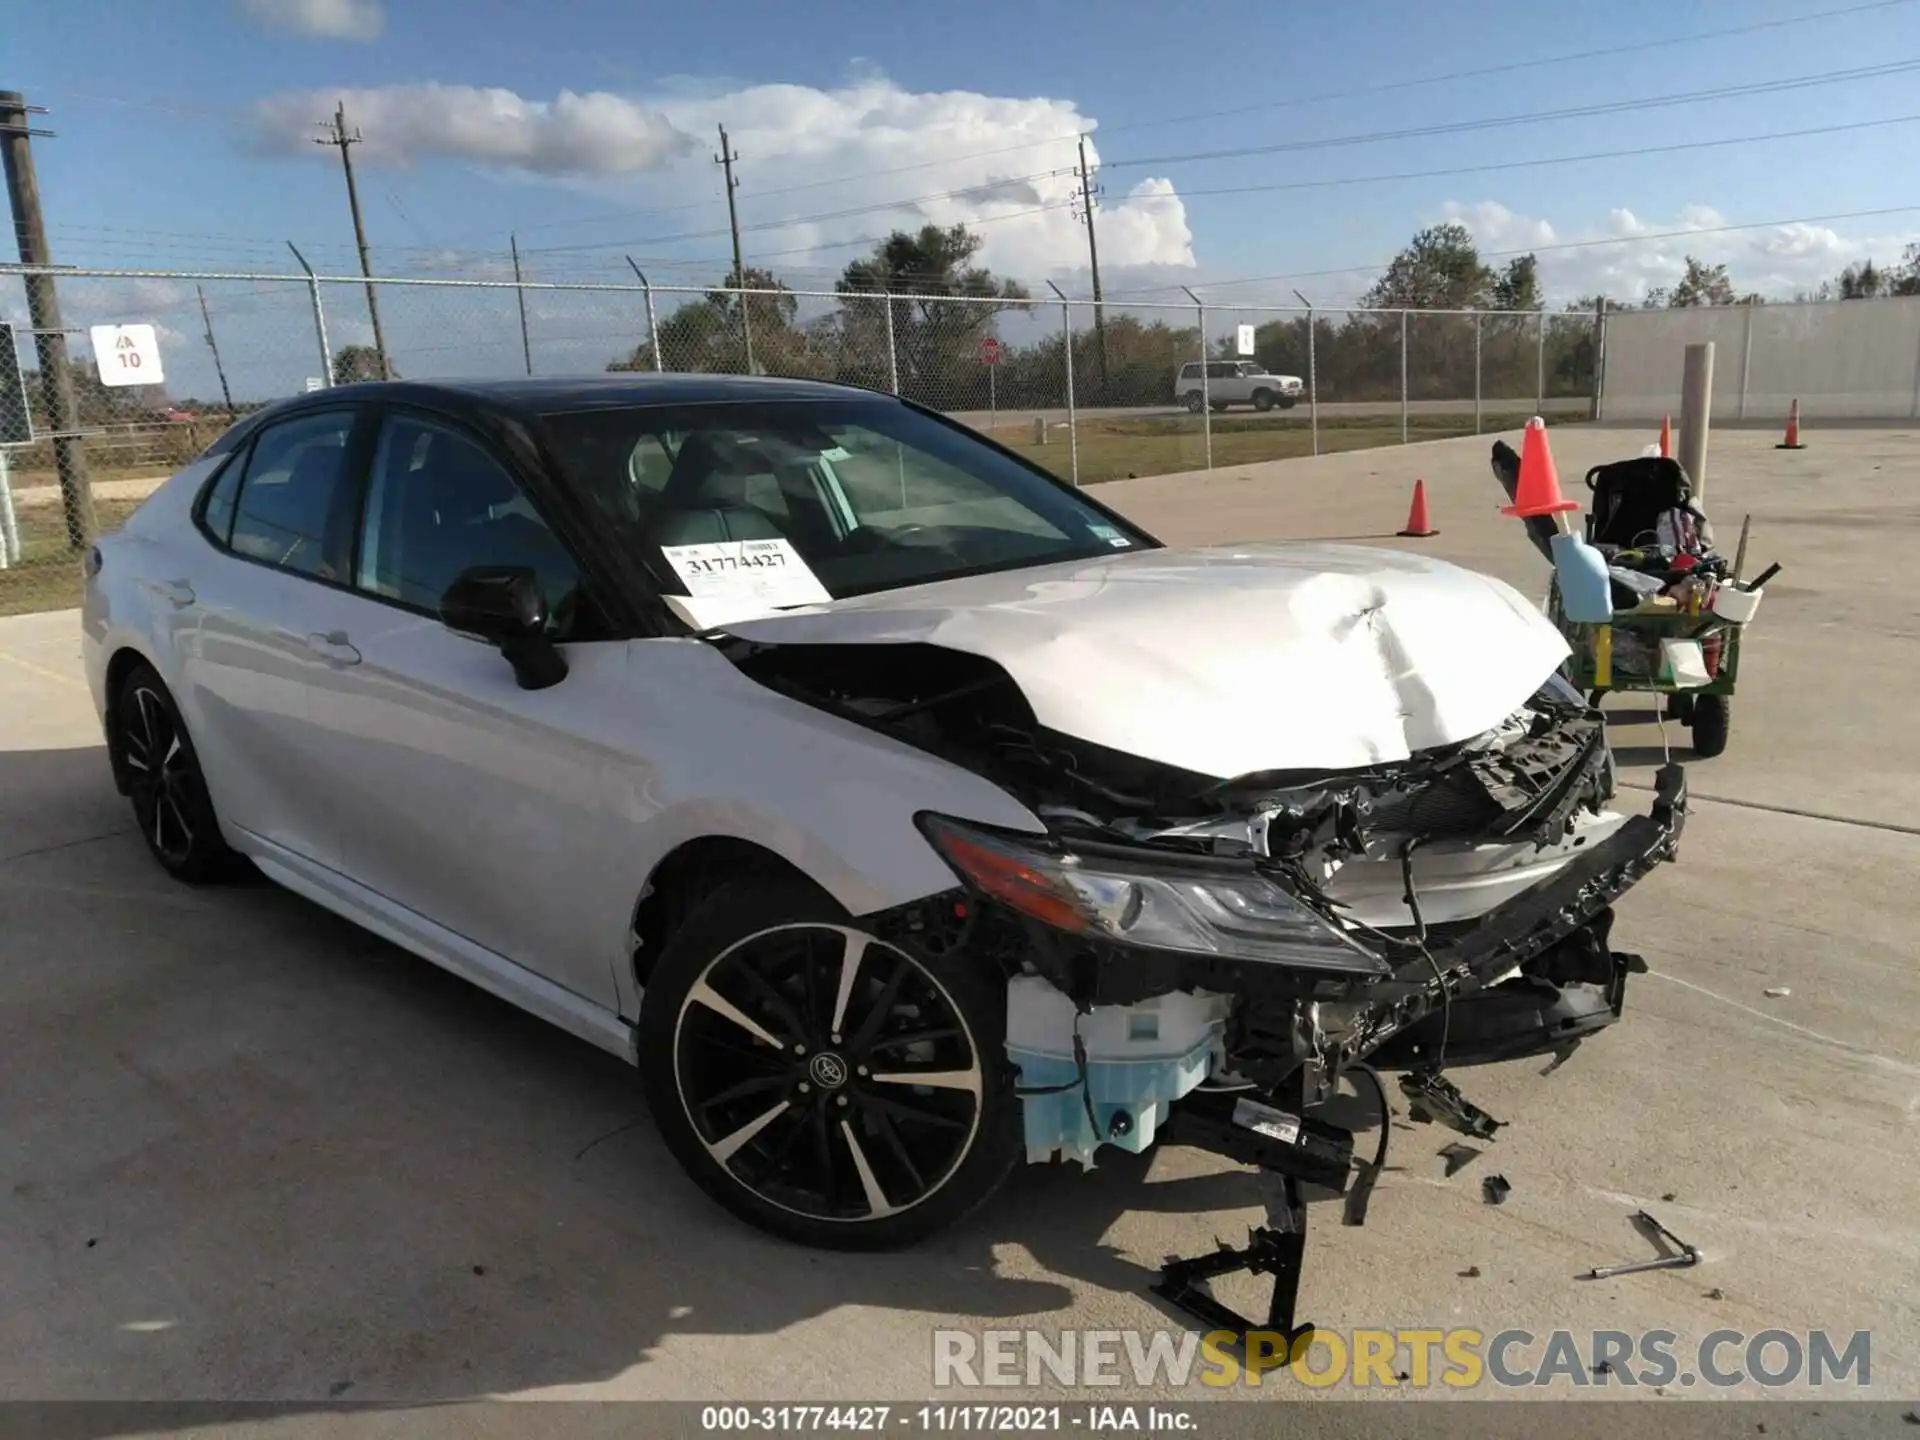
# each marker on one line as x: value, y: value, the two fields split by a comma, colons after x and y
x: 1680, y: 708
x: 1596, y: 697
x: 1712, y: 718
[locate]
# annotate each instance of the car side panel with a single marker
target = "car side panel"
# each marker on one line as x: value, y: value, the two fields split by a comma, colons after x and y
x: 527, y: 822
x: 123, y: 606
x: 467, y: 800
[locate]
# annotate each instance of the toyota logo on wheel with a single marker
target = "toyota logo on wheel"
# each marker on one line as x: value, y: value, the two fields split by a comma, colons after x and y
x: 828, y: 1071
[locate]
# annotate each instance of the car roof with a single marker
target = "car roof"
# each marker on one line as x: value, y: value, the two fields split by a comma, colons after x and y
x: 545, y: 395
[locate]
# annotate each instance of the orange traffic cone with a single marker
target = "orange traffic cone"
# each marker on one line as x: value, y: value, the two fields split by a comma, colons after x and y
x: 1666, y: 437
x: 1538, y: 489
x: 1792, y: 442
x: 1418, y: 525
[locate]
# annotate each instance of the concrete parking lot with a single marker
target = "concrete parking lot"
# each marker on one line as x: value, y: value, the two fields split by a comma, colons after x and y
x: 249, y: 1152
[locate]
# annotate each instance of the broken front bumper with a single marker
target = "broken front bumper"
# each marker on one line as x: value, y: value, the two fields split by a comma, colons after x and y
x: 1535, y: 975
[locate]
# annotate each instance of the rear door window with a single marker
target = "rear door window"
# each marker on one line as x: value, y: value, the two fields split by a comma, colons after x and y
x: 291, y: 509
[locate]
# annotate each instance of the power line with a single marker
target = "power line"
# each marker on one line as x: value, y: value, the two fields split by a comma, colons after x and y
x: 1636, y: 151
x: 900, y: 203
x: 1637, y: 47
x: 1574, y: 57
x: 1610, y: 107
x: 1563, y: 245
x: 1510, y: 67
x: 1450, y: 128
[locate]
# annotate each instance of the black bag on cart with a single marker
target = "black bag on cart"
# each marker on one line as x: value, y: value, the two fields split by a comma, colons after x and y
x: 1631, y: 496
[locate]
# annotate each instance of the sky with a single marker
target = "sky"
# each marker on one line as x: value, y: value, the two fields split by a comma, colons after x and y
x: 587, y: 130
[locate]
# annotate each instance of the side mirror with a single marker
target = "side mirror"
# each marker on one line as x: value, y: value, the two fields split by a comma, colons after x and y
x: 502, y: 605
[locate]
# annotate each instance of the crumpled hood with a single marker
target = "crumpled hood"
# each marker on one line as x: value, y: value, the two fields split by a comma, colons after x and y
x: 1229, y: 660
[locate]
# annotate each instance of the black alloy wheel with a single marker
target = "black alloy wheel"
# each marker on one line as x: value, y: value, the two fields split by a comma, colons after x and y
x: 169, y: 794
x: 823, y: 1084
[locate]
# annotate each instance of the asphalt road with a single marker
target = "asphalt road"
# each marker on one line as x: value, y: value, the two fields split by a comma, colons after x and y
x: 250, y: 1152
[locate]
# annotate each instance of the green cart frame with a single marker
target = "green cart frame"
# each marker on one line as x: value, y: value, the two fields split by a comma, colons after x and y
x: 1625, y: 655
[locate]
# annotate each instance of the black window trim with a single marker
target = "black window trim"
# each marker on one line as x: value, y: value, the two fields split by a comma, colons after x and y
x: 357, y: 435
x: 235, y: 458
x: 588, y: 602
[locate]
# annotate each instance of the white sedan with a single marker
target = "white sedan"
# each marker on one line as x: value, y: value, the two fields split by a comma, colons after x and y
x: 896, y: 809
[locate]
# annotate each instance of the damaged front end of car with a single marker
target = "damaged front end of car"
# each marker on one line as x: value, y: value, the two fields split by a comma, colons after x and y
x: 1173, y: 933
x: 1204, y: 960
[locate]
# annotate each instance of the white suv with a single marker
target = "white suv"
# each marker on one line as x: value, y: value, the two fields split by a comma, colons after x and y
x: 1235, y: 382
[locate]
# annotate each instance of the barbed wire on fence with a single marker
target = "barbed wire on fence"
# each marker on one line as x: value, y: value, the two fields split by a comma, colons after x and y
x: 1090, y: 391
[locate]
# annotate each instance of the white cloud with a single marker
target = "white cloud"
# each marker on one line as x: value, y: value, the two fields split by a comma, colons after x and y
x: 573, y: 134
x: 821, y: 170
x: 326, y: 19
x: 1498, y: 228
x: 1643, y: 252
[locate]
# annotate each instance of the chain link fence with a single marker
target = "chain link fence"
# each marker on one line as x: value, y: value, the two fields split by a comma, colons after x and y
x: 1090, y: 392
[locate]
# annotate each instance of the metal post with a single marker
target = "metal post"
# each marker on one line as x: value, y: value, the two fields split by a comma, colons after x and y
x: 319, y: 318
x: 1403, y: 377
x: 993, y: 401
x: 1540, y: 366
x: 1313, y: 377
x: 1746, y: 363
x: 1599, y: 356
x: 1073, y: 427
x: 9, y: 525
x: 1206, y: 388
x: 893, y: 354
x: 1696, y: 414
x: 653, y: 326
x: 1479, y: 326
x: 1916, y: 386
x: 520, y: 293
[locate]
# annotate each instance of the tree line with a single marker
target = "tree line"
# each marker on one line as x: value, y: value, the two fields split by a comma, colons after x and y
x: 943, y: 304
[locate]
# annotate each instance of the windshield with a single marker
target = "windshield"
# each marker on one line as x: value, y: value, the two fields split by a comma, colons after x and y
x: 800, y: 501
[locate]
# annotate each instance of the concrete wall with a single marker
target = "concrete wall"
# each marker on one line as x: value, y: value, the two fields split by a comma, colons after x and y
x: 1852, y: 359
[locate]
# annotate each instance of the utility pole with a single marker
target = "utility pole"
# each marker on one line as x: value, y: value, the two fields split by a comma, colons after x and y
x: 1093, y: 257
x: 337, y: 136
x: 218, y: 369
x: 725, y: 160
x: 43, y: 313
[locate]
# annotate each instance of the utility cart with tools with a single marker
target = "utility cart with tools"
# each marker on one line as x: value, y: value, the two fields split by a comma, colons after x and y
x: 1643, y: 599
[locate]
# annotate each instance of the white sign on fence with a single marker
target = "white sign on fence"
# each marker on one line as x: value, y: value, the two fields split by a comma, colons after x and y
x: 314, y: 382
x: 1246, y: 339
x: 127, y: 355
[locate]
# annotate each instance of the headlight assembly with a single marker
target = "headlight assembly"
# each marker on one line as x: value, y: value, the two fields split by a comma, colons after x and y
x: 1150, y: 900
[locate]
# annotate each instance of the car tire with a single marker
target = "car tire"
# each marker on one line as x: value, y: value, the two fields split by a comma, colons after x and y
x: 1195, y: 402
x: 762, y: 1061
x: 1263, y: 400
x: 165, y: 783
x: 1712, y: 720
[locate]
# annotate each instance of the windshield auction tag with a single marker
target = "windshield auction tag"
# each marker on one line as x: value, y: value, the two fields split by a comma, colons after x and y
x: 766, y: 572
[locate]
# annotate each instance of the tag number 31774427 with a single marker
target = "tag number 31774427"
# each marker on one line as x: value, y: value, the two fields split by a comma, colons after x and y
x: 723, y: 564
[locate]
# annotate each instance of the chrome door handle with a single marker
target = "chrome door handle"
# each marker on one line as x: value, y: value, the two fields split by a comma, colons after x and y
x: 334, y: 648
